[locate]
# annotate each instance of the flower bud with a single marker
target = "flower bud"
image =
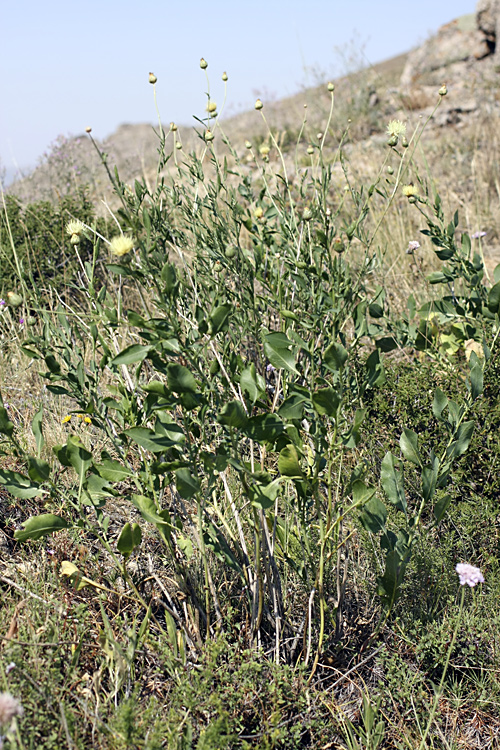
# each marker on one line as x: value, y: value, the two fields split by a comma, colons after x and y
x: 258, y: 104
x: 211, y: 107
x: 88, y: 129
x: 307, y: 214
x: 264, y: 149
x: 203, y: 64
x: 310, y: 150
x: 248, y: 144
x: 259, y: 212
x: 443, y: 90
x: 209, y: 136
x: 75, y: 239
x: 319, y: 136
x: 331, y: 86
x: 173, y: 127
x: 152, y: 78
x: 390, y: 170
x: 224, y: 76
x: 393, y: 140
x: 178, y: 145
x: 338, y: 244
x: 14, y: 299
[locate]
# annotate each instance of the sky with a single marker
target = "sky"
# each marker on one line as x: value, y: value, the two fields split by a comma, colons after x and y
x: 67, y: 65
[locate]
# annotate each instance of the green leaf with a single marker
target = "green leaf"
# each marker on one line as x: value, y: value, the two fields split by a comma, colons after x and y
x: 441, y: 507
x: 439, y: 403
x: 130, y: 538
x: 293, y: 406
x: 289, y: 462
x: 252, y: 383
x: 476, y: 377
x: 462, y: 440
x: 78, y: 456
x: 38, y: 526
x: 113, y: 471
x: 326, y: 401
x: 361, y: 493
x: 219, y: 320
x: 36, y: 426
x: 494, y: 299
x: 392, y: 481
x: 148, y: 439
x: 53, y: 364
x: 429, y: 481
x: 19, y: 485
x: 335, y: 357
x: 187, y: 484
x: 233, y: 415
x: 277, y: 350
x: 264, y: 495
x: 133, y: 353
x: 149, y: 512
x: 38, y: 470
x: 6, y: 426
x: 264, y: 428
x: 409, y: 446
x: 180, y: 379
x: 373, y: 516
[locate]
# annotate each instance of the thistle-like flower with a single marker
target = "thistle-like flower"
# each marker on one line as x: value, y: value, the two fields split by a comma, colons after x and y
x: 121, y: 245
x: 412, y: 246
x: 410, y: 191
x: 396, y: 128
x: 469, y: 575
x: 74, y: 227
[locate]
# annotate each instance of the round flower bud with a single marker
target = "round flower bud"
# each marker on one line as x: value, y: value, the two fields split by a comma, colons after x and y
x: 178, y: 145
x: 264, y: 149
x: 310, y: 150
x: 152, y: 78
x: 224, y: 76
x: 173, y: 127
x: 404, y: 143
x: 230, y: 252
x: 211, y: 107
x: 393, y: 140
x: 203, y: 64
x: 443, y: 90
x: 14, y: 299
x: 331, y: 86
x: 75, y: 239
x: 319, y: 136
x: 259, y: 212
x: 258, y: 104
x: 88, y: 129
x: 338, y: 244
x: 390, y: 170
x: 307, y: 214
x: 248, y: 144
x: 209, y: 136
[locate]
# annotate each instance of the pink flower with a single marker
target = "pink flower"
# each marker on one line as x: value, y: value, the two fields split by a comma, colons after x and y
x: 478, y: 235
x: 9, y: 708
x: 469, y: 575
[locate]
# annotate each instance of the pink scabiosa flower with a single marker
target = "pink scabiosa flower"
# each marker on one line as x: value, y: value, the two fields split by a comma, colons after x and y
x: 412, y: 246
x: 469, y: 575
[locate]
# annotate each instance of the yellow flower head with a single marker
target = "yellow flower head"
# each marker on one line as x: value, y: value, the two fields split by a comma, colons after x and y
x: 121, y: 245
x: 396, y: 129
x: 74, y: 227
x: 65, y: 419
x: 410, y: 191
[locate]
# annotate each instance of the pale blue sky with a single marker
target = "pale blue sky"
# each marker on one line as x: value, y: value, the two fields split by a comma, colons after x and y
x: 66, y: 65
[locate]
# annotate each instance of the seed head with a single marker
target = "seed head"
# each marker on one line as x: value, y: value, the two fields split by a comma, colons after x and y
x: 203, y: 64
x: 258, y: 104
x: 121, y: 245
x: 152, y: 78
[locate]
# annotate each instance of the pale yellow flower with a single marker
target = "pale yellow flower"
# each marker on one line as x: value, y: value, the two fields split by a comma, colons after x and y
x: 410, y: 191
x: 121, y: 245
x: 396, y: 129
x: 74, y: 227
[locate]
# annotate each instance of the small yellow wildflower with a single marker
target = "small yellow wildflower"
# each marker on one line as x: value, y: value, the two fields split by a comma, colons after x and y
x: 65, y: 419
x: 74, y: 227
x: 264, y: 149
x: 396, y: 129
x: 87, y: 420
x: 121, y: 245
x: 410, y: 191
